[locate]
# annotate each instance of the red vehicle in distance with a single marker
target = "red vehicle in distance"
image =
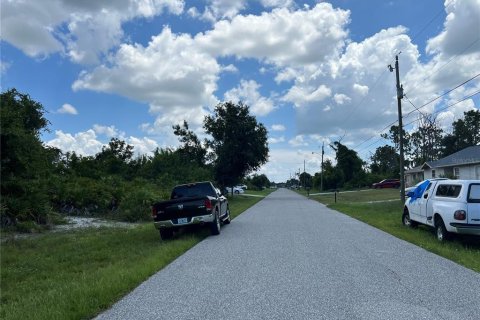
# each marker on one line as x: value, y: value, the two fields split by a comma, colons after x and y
x: 387, y: 183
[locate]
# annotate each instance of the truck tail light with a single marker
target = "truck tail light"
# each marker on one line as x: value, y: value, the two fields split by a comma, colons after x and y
x: 460, y: 215
x: 208, y: 204
x: 154, y: 212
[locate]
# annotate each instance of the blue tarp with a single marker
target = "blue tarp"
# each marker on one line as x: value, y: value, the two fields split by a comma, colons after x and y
x: 417, y: 193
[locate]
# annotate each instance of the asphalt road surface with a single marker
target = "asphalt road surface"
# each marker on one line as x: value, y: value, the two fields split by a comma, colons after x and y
x: 289, y: 257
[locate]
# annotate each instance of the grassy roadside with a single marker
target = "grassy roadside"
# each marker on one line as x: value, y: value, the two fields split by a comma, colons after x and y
x: 76, y: 275
x: 386, y: 215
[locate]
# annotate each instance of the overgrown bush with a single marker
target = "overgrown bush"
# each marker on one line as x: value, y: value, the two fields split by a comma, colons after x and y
x: 136, y: 205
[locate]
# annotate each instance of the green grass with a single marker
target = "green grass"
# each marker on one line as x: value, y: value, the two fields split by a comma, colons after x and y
x: 78, y: 274
x: 387, y: 216
x: 366, y: 195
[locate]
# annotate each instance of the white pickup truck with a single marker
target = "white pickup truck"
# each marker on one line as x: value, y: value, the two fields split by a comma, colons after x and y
x: 446, y: 205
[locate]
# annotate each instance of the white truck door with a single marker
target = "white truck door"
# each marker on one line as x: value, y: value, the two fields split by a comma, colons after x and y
x: 426, y: 203
x: 415, y: 209
x: 473, y: 203
x: 417, y: 201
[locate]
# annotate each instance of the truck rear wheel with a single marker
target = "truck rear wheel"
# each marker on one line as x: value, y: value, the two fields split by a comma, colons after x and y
x: 440, y: 230
x: 215, y: 225
x: 228, y: 219
x: 166, y: 234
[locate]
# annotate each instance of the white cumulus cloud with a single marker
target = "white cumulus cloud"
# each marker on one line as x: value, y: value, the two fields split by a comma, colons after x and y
x: 108, y: 131
x: 341, y: 98
x: 171, y: 74
x: 282, y: 36
x: 87, y: 143
x: 84, y: 143
x: 84, y: 30
x: 273, y: 140
x: 298, y: 141
x: 304, y: 95
x: 247, y: 92
x: 67, y: 109
x: 278, y: 127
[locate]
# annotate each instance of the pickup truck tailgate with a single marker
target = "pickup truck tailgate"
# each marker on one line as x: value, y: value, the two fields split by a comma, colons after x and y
x: 474, y: 213
x: 181, y: 208
x: 474, y: 203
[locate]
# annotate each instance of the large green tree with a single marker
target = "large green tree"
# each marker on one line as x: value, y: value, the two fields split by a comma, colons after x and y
x: 426, y: 141
x: 386, y: 161
x: 239, y: 142
x: 305, y: 180
x: 115, y: 157
x: 466, y: 133
x: 260, y: 181
x: 191, y: 149
x: 348, y: 162
x: 333, y: 178
x: 25, y: 162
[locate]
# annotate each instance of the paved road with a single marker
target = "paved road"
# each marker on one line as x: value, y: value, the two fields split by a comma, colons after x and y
x: 292, y: 258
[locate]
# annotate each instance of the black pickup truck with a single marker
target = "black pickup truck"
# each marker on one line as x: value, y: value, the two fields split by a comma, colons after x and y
x: 198, y: 203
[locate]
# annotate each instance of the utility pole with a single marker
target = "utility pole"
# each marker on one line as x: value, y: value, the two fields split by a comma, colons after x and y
x: 400, y: 127
x: 321, y: 171
x: 304, y: 182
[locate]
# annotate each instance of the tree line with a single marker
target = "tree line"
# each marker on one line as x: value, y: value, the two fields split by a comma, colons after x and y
x: 39, y: 183
x: 428, y: 142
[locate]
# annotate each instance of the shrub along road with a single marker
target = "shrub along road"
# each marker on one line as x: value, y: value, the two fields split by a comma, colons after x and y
x: 289, y: 257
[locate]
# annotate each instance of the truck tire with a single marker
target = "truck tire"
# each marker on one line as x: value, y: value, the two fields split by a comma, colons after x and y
x: 237, y: 192
x: 228, y: 219
x: 407, y: 221
x: 440, y: 230
x: 166, y: 234
x: 215, y: 225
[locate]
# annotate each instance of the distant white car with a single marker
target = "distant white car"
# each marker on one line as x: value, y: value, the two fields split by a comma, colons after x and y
x: 243, y: 186
x: 236, y: 190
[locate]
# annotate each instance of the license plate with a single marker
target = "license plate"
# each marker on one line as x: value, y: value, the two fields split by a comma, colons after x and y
x: 182, y: 220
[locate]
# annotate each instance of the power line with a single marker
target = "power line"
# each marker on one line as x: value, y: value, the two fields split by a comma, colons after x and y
x: 405, y: 96
x: 416, y: 120
x: 449, y: 106
x: 372, y: 144
x: 393, y: 59
x: 431, y: 20
x: 424, y: 105
x: 444, y: 94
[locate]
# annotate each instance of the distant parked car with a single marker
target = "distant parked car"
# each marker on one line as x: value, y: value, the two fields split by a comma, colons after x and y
x: 236, y: 190
x: 387, y: 183
x: 243, y: 186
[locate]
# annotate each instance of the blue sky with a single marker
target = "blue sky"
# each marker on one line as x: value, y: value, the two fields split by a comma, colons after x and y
x: 312, y: 72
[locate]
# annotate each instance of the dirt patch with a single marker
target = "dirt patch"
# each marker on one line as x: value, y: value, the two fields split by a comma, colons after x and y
x: 73, y: 223
x: 82, y: 222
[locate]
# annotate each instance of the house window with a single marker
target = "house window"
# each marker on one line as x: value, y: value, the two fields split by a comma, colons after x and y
x: 456, y: 173
x: 433, y: 173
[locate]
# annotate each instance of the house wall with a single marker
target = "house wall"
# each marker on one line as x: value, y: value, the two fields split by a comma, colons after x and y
x: 412, y: 179
x: 468, y: 172
x: 439, y: 172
